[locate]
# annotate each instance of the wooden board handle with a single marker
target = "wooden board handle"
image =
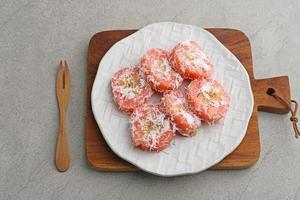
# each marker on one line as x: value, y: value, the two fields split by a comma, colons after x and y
x: 267, y: 103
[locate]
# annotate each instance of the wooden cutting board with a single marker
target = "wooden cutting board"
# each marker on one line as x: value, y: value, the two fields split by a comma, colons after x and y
x: 101, y: 157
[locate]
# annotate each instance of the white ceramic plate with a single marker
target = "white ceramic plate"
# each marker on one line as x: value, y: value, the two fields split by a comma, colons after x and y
x: 185, y: 155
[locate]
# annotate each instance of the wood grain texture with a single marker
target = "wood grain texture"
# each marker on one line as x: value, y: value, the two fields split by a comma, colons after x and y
x: 101, y: 157
x: 63, y: 87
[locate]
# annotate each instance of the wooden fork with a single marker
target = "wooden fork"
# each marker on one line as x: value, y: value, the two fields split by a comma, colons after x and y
x: 63, y: 86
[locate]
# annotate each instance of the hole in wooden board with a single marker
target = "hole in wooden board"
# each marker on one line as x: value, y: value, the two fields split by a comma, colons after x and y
x: 270, y: 91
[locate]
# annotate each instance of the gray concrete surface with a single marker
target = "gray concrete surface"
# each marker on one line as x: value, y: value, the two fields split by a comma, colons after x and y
x: 36, y: 34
